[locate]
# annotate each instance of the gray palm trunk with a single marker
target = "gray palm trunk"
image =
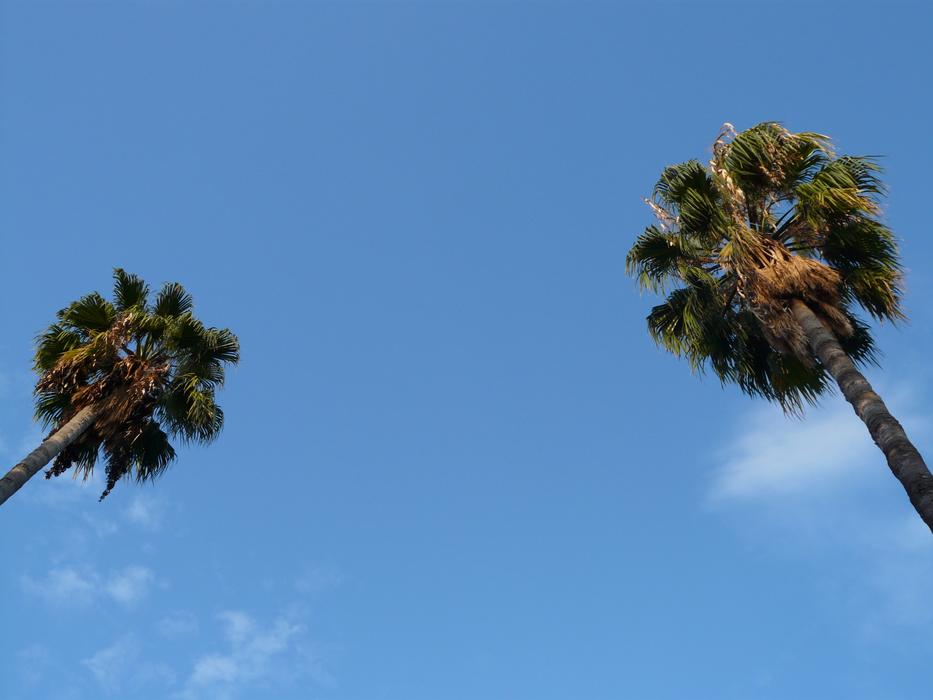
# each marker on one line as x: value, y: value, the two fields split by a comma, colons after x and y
x: 903, y: 458
x: 50, y: 448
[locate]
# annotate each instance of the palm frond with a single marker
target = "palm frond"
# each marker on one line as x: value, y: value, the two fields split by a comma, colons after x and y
x: 129, y: 291
x: 660, y: 256
x: 677, y: 180
x: 173, y: 301
x: 90, y: 314
x: 865, y: 253
x: 51, y: 345
x: 767, y: 159
x: 151, y: 452
x: 841, y: 188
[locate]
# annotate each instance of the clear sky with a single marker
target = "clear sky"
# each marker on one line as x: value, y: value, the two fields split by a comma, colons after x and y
x: 455, y: 467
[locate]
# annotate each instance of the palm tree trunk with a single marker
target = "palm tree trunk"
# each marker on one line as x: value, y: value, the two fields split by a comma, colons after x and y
x: 903, y: 458
x: 46, y: 452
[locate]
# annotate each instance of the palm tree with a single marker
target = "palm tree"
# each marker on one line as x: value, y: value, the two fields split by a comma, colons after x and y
x: 120, y: 378
x: 770, y: 249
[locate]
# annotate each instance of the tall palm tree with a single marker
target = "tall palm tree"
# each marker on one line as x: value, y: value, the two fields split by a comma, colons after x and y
x: 770, y: 248
x: 120, y: 378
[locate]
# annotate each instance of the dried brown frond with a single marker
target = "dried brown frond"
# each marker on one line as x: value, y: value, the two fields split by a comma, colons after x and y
x: 781, y: 277
x: 122, y: 388
x: 666, y: 220
x: 733, y: 198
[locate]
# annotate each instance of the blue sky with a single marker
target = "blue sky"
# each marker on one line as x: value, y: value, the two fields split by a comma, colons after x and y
x: 455, y: 467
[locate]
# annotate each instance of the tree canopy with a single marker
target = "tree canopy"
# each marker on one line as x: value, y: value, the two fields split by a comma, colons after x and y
x: 150, y: 369
x: 774, y: 216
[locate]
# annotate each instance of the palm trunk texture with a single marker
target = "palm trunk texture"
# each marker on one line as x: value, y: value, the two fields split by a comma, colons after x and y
x: 46, y: 452
x: 903, y: 458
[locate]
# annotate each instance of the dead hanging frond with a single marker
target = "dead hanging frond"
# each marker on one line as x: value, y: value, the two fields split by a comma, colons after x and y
x: 733, y: 198
x: 782, y: 277
x: 120, y: 385
x: 666, y: 221
x: 726, y: 133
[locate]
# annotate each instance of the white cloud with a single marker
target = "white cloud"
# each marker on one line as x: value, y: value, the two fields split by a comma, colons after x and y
x: 64, y: 585
x: 102, y: 527
x: 772, y: 454
x: 111, y: 664
x: 214, y: 668
x: 254, y: 653
x: 74, y: 586
x: 237, y: 625
x: 130, y: 585
x: 145, y: 512
x: 122, y: 664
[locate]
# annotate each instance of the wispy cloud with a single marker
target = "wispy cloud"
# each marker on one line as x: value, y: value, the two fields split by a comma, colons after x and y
x: 111, y: 664
x: 100, y: 526
x: 825, y: 487
x: 146, y: 512
x: 64, y: 585
x: 253, y: 654
x: 771, y: 454
x: 77, y: 586
x: 130, y: 585
x: 122, y: 665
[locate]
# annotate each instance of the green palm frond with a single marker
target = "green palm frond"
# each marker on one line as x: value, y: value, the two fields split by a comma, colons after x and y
x: 702, y: 216
x: 172, y: 301
x: 90, y: 314
x: 129, y: 291
x: 151, y: 452
x: 842, y: 188
x: 767, y: 159
x: 677, y: 180
x: 51, y: 408
x: 55, y: 342
x: 659, y: 257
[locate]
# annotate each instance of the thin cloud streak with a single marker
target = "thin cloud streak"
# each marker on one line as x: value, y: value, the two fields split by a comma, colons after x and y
x: 72, y: 586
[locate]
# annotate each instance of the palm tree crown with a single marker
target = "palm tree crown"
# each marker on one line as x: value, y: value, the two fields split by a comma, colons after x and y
x: 775, y: 216
x: 149, y: 370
